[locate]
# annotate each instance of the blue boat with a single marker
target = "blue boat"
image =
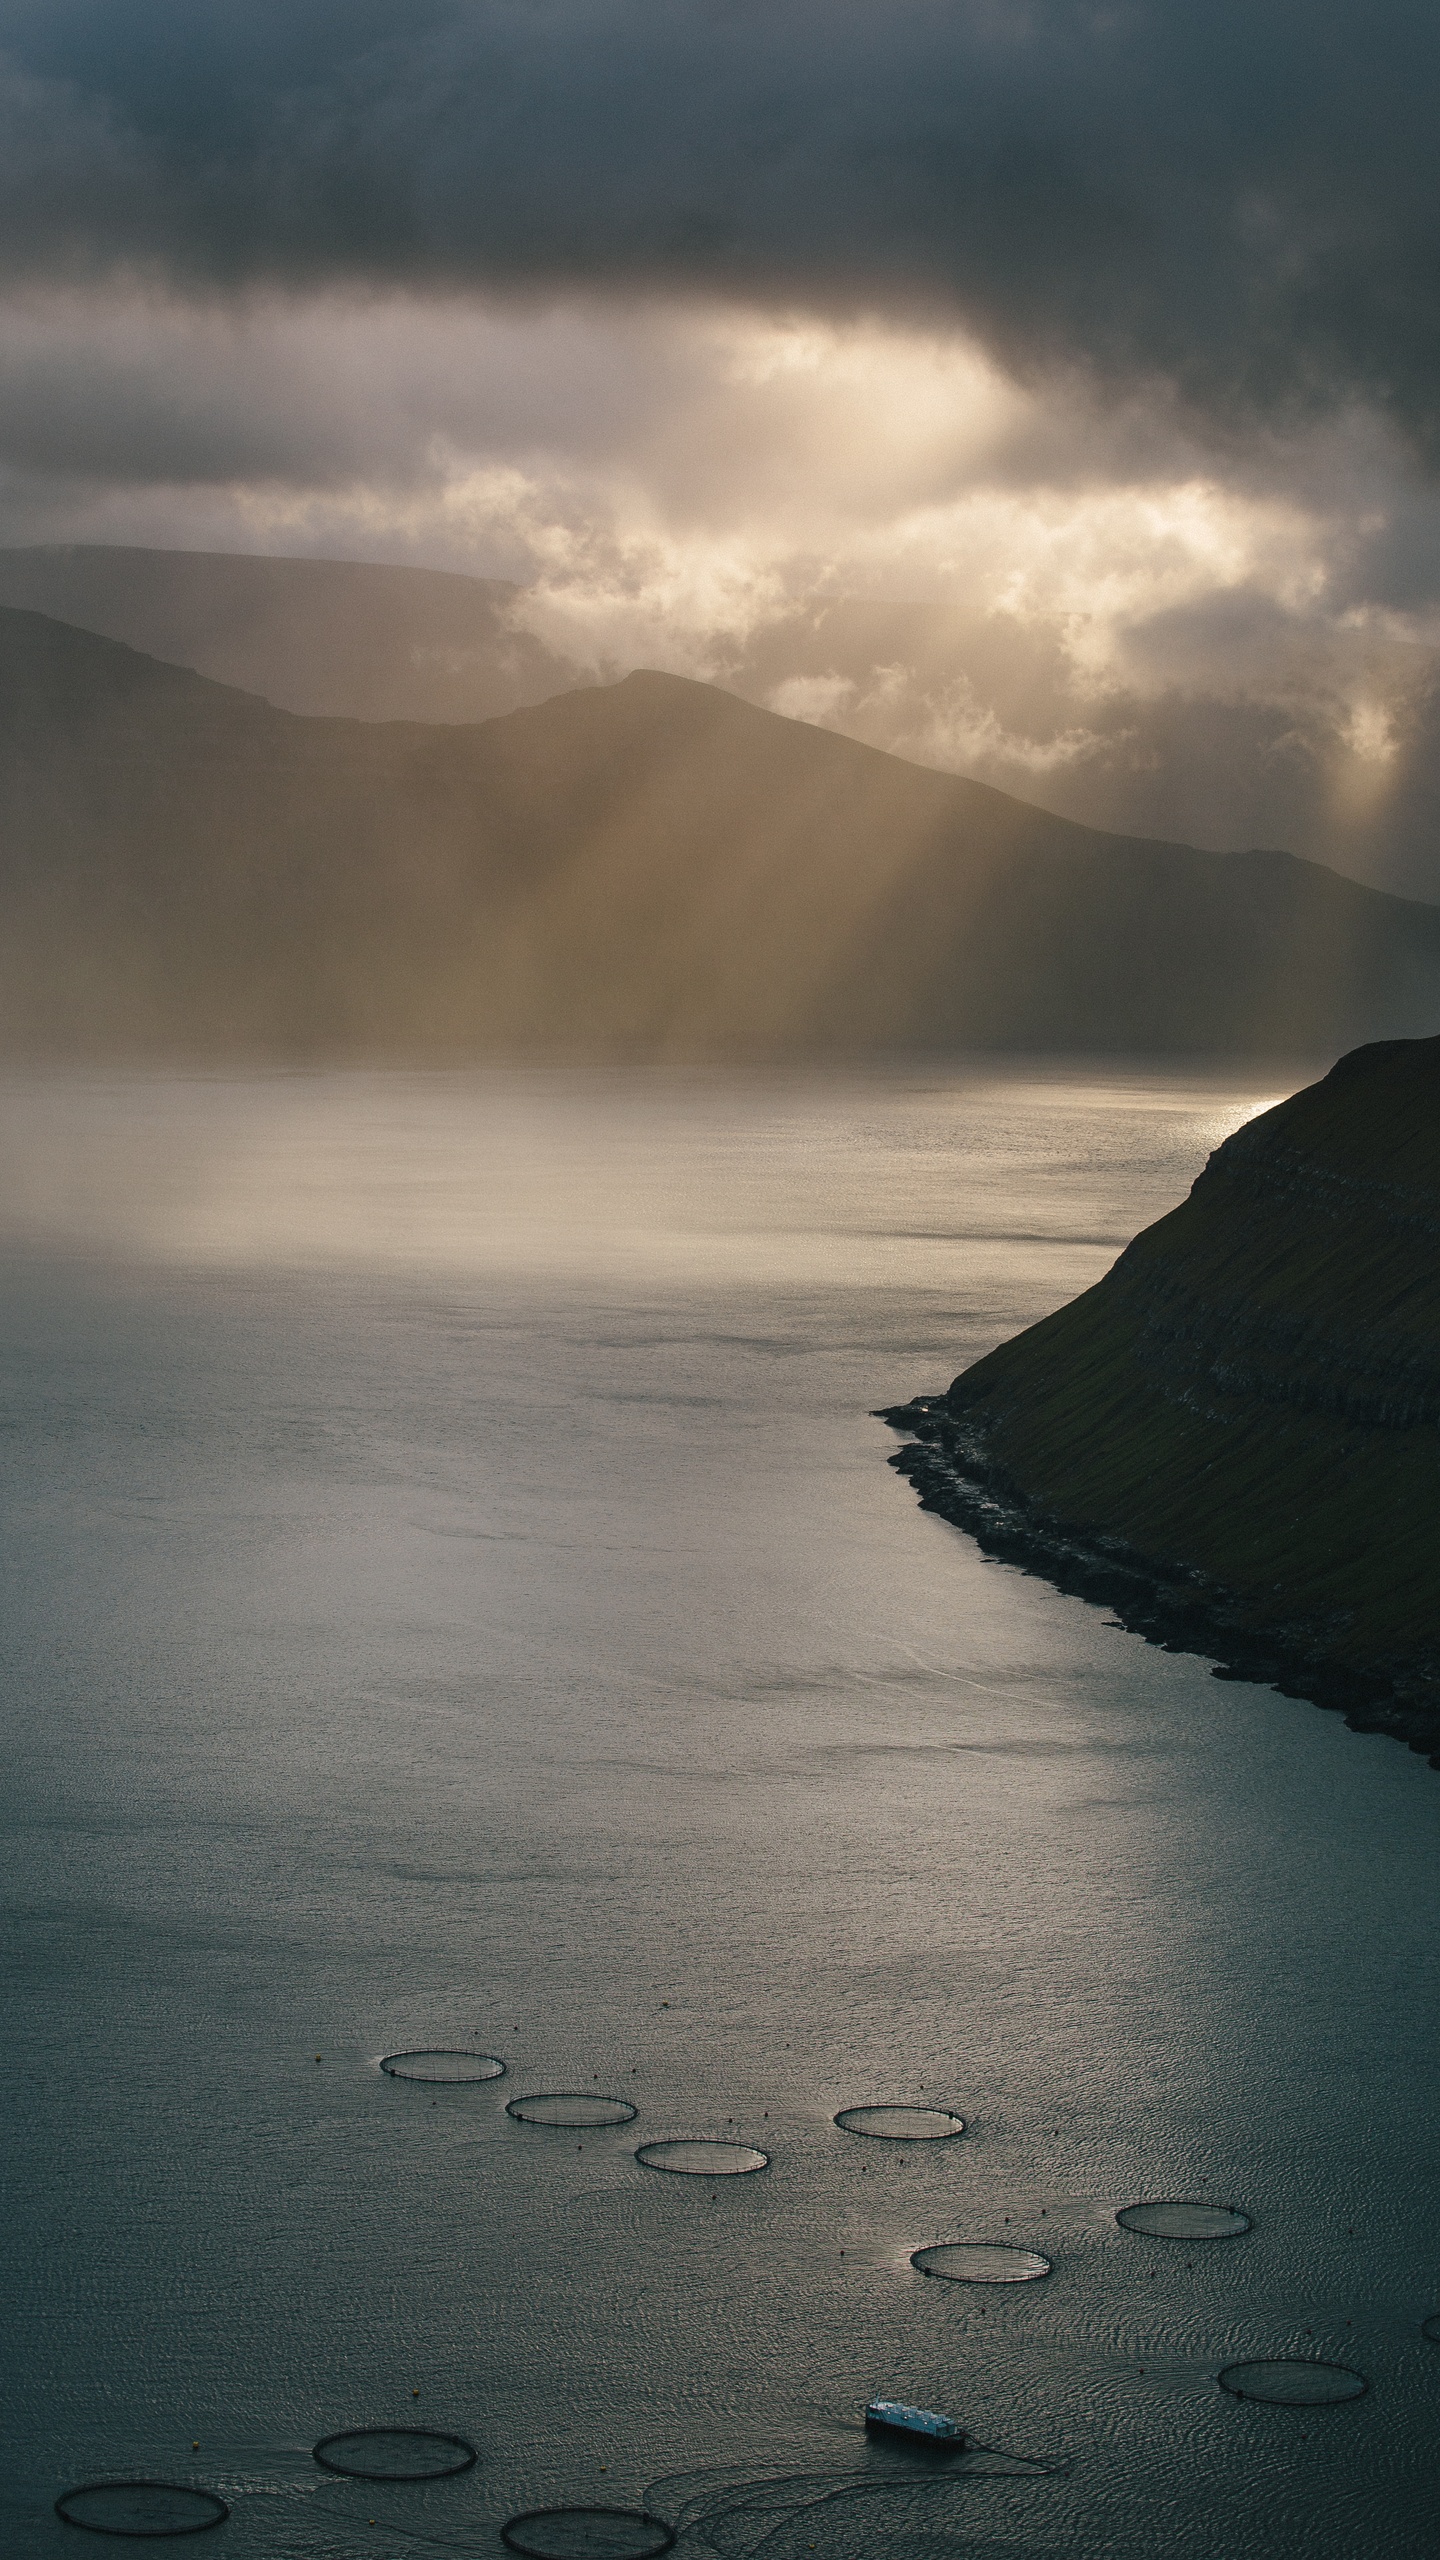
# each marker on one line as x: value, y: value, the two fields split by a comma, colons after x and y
x: 924, y: 2426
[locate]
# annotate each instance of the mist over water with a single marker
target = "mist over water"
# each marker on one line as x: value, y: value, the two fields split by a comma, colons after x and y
x: 690, y: 1177
x: 456, y: 1597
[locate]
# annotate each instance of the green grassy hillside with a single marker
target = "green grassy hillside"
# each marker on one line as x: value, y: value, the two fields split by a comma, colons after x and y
x: 1249, y: 1402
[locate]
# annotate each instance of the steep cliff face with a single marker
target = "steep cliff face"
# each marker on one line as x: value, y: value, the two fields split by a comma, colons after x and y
x: 1235, y: 1437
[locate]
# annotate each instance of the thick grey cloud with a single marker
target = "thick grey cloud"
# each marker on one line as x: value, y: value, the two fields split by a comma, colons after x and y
x: 671, y: 312
x: 1238, y: 200
x: 1095, y: 615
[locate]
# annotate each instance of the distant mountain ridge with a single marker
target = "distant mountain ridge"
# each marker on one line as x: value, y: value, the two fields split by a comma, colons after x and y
x: 340, y: 639
x: 1234, y: 1438
x: 650, y: 869
x: 940, y: 681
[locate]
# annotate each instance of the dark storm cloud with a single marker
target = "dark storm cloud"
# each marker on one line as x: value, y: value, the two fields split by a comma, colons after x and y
x: 1238, y: 199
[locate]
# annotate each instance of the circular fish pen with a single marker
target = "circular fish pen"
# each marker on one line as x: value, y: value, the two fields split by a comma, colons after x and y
x: 1430, y: 2328
x: 141, y: 2509
x: 587, y: 2533
x: 443, y: 2067
x: 703, y: 2159
x: 1184, y: 2221
x: 902, y: 2124
x: 571, y: 2110
x: 1293, y: 2382
x: 981, y: 2262
x: 395, y: 2453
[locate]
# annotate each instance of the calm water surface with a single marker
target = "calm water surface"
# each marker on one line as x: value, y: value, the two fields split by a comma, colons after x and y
x: 455, y: 1594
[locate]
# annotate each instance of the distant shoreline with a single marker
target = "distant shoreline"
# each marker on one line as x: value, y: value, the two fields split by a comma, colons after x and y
x: 1175, y: 1606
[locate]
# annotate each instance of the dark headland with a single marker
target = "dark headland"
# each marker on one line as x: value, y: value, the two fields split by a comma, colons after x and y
x: 1233, y: 1440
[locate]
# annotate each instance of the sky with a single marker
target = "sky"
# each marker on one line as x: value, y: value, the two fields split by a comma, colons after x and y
x: 1104, y: 339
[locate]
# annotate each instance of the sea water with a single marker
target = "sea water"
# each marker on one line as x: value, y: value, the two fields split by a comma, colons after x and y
x: 455, y: 1596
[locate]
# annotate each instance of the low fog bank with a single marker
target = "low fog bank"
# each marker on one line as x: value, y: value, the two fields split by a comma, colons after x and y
x: 656, y: 1176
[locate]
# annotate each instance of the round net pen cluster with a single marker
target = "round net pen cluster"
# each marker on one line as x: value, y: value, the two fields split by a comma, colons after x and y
x: 395, y: 2453
x: 981, y: 2262
x: 149, y: 2510
x: 703, y: 2159
x: 902, y: 2124
x: 1293, y: 2382
x: 1173, y: 2221
x: 571, y: 2110
x: 443, y: 2066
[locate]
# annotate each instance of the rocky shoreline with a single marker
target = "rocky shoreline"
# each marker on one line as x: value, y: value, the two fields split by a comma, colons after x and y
x: 1175, y: 1606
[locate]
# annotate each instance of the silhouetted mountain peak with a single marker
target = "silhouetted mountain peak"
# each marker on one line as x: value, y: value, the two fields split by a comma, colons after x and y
x: 650, y: 868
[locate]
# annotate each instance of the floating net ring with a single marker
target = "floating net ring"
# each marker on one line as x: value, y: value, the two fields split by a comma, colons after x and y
x: 395, y: 2453
x: 575, y: 2110
x: 1431, y: 2328
x: 981, y: 2262
x: 443, y: 2065
x: 902, y: 2124
x: 137, y: 2508
x: 587, y: 2533
x: 1293, y: 2382
x: 703, y: 2159
x: 1184, y: 2221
